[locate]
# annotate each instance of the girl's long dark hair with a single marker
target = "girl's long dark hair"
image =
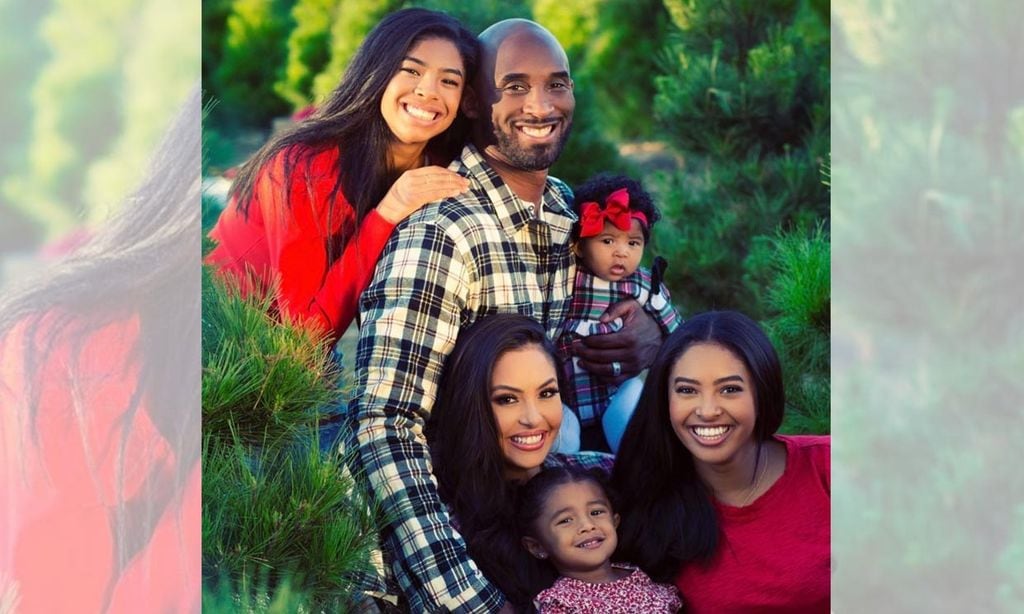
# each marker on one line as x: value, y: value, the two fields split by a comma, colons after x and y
x: 668, y: 514
x: 468, y: 461
x: 144, y: 264
x: 350, y: 120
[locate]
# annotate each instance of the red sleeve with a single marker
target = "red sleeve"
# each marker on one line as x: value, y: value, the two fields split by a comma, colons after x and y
x: 297, y: 233
x: 351, y: 273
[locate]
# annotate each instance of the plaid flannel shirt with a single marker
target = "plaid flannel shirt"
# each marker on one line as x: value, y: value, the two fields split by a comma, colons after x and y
x: 587, y: 393
x: 587, y: 459
x: 482, y: 252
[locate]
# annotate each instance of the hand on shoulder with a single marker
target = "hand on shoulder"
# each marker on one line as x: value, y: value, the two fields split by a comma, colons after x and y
x: 417, y: 187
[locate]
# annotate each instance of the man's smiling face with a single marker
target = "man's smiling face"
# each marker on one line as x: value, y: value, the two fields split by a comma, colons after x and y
x: 532, y: 103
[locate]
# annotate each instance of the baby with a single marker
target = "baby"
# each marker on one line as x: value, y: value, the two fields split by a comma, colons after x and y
x: 616, y: 216
x: 566, y: 517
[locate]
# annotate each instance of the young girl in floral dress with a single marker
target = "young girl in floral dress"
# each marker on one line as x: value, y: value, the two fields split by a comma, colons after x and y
x: 566, y: 517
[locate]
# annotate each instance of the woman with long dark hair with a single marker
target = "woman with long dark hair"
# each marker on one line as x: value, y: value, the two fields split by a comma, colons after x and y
x: 711, y: 497
x: 497, y: 414
x: 310, y: 212
x: 99, y: 408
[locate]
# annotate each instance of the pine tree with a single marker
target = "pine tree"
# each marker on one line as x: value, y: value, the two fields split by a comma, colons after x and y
x: 928, y: 326
x: 308, y: 50
x: 159, y: 67
x: 282, y: 519
x: 353, y: 21
x: 613, y: 47
x: 253, y: 58
x: 75, y: 112
x: 744, y: 100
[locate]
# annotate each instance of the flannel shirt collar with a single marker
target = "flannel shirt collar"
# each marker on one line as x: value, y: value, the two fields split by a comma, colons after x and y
x: 512, y: 211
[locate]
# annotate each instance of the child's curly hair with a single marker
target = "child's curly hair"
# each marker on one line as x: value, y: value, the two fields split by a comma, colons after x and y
x: 597, y: 188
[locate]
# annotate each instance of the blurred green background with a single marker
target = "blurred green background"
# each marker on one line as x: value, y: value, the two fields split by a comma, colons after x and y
x: 928, y: 329
x: 89, y: 88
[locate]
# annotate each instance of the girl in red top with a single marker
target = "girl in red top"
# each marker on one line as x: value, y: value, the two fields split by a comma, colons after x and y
x: 738, y: 516
x: 311, y: 211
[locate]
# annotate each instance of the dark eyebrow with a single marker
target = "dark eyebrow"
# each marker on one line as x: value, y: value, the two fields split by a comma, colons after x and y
x: 727, y: 378
x: 514, y: 389
x: 521, y: 76
x: 601, y: 501
x: 454, y: 71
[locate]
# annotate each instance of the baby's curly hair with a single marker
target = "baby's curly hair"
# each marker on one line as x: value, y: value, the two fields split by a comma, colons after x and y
x: 597, y: 188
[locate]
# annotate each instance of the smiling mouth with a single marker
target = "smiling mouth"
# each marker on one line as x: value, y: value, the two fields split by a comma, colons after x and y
x: 528, y: 442
x: 590, y: 544
x: 421, y: 114
x: 537, y: 132
x: 710, y: 434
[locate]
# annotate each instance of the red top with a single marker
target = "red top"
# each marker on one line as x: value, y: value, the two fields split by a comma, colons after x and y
x: 72, y: 455
x: 285, y: 237
x: 774, y: 555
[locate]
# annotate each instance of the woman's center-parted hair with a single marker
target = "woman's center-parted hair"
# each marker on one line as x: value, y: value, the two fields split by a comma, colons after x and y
x: 462, y: 426
x: 744, y: 339
x: 467, y: 456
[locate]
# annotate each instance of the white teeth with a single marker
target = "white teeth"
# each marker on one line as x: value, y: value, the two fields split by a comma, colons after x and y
x: 710, y: 432
x: 537, y: 132
x: 528, y: 441
x: 420, y: 113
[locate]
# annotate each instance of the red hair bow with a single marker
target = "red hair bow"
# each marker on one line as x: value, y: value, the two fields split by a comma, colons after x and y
x: 616, y: 210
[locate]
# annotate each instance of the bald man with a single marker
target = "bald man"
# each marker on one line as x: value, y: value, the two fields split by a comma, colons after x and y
x: 503, y: 246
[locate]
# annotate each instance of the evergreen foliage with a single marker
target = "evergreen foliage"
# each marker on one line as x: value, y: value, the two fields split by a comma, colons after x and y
x: 277, y: 514
x: 21, y: 54
x: 262, y: 379
x: 929, y: 330
x: 252, y: 59
x: 308, y: 50
x: 744, y: 99
x: 95, y: 113
x: 281, y: 518
x: 480, y: 14
x: 153, y: 54
x: 588, y: 150
x: 799, y: 301
x: 75, y: 118
x: 353, y: 20
x: 254, y: 598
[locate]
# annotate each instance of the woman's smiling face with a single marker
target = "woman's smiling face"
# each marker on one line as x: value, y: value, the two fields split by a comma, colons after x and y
x: 422, y: 98
x: 527, y: 408
x: 711, y: 403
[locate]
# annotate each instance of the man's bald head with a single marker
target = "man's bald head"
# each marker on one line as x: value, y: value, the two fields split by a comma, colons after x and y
x: 515, y: 30
x: 523, y: 103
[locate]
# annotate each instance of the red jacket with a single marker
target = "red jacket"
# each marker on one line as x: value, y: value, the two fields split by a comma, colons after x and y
x: 285, y: 237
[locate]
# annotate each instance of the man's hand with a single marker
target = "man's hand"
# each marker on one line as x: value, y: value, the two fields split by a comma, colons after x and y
x: 633, y: 348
